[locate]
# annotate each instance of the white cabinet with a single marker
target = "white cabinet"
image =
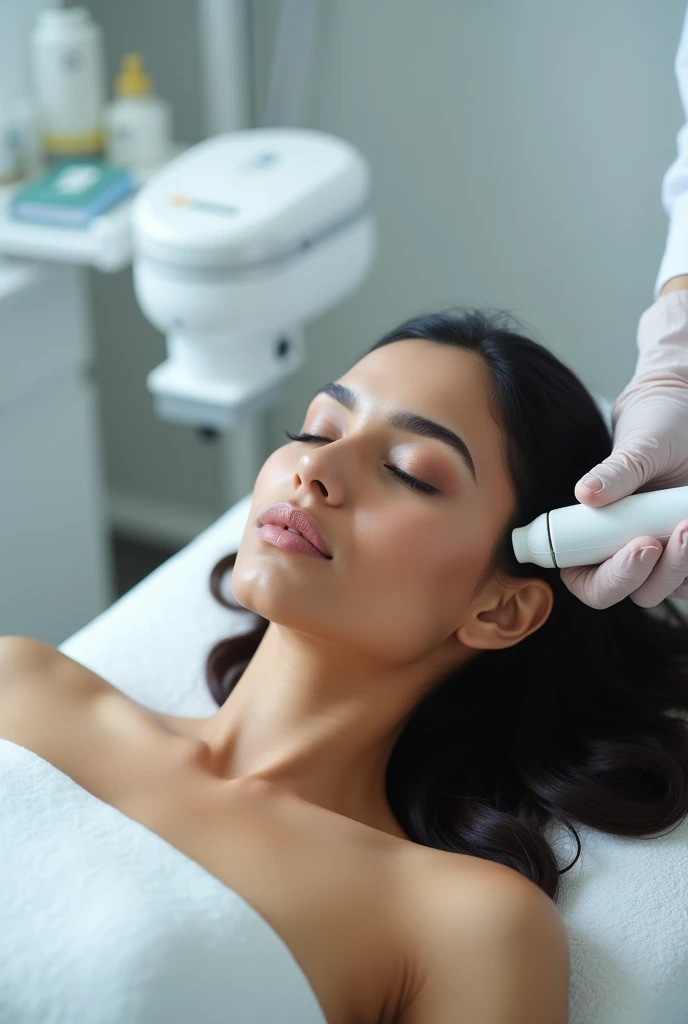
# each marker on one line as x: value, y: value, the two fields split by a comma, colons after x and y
x: 55, y: 562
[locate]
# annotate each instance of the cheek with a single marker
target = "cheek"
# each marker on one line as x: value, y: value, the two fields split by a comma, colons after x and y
x: 265, y: 489
x: 432, y: 548
x: 424, y: 570
x: 275, y: 467
x: 272, y: 484
x: 248, y: 578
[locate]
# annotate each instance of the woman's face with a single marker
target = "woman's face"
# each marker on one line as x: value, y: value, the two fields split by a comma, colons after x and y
x: 405, y: 562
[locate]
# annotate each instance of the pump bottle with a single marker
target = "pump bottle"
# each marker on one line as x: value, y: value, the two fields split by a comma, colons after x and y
x: 137, y: 123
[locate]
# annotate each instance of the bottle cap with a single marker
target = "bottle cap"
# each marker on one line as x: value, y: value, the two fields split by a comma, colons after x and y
x: 132, y: 79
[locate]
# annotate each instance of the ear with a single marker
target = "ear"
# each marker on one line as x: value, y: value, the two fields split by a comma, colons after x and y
x: 508, y: 616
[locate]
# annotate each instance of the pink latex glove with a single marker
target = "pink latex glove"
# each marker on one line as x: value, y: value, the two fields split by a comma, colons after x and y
x: 650, y: 427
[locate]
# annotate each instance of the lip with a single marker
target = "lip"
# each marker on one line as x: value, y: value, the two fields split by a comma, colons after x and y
x: 284, y: 515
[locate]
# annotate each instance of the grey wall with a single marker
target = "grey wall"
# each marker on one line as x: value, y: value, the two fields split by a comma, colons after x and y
x: 517, y: 152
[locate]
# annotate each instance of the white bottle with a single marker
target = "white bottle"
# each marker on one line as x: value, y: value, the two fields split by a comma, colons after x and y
x: 69, y: 81
x: 579, y: 535
x: 138, y: 124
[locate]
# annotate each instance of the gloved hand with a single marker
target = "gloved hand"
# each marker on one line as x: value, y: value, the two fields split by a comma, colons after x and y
x: 650, y: 429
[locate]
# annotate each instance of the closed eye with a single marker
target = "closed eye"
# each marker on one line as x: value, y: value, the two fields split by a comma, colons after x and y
x: 410, y: 481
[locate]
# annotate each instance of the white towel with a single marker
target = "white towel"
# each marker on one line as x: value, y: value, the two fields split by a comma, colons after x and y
x: 625, y: 903
x: 104, y: 922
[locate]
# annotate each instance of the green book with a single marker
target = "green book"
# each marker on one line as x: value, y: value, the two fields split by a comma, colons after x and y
x: 72, y: 193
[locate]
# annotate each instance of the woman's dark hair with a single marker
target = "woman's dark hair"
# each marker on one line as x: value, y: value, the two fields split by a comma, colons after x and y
x: 581, y: 722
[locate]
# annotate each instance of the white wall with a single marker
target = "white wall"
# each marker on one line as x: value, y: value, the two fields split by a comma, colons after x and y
x: 517, y: 152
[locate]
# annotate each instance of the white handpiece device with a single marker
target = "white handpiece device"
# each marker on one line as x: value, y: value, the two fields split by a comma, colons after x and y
x: 579, y: 535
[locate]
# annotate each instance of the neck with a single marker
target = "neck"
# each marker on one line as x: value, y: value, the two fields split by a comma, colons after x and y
x: 317, y: 721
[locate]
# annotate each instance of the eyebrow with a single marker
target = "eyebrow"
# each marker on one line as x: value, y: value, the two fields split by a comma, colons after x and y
x: 402, y: 419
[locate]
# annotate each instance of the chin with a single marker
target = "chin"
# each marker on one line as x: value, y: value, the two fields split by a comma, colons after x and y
x: 267, y: 589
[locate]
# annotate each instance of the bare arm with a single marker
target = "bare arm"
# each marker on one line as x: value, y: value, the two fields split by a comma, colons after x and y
x: 676, y: 284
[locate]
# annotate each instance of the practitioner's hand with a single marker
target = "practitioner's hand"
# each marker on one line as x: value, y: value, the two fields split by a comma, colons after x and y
x: 650, y: 421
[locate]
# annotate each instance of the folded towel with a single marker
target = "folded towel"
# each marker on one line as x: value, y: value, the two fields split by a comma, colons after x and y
x: 104, y: 922
x: 625, y: 903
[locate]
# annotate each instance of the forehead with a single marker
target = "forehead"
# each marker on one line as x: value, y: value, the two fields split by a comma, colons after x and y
x: 442, y: 382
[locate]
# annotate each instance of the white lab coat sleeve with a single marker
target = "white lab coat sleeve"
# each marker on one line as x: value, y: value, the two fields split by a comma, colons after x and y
x: 675, y: 183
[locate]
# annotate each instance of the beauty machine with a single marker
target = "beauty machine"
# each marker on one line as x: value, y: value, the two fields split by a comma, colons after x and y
x: 579, y: 535
x: 237, y: 244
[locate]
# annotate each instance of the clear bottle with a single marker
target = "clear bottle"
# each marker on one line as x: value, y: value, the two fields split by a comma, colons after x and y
x: 69, y: 81
x: 138, y: 123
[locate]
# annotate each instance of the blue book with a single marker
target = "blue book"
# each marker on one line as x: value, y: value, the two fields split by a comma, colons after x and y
x: 72, y: 193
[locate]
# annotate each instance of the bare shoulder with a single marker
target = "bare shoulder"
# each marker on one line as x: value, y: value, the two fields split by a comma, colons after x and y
x: 494, y: 948
x: 27, y: 664
x: 22, y: 653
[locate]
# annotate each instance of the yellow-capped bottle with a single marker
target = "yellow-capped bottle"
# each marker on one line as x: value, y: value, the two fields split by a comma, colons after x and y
x: 138, y: 124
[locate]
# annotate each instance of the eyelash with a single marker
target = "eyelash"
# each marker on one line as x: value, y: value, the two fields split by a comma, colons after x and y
x: 410, y: 481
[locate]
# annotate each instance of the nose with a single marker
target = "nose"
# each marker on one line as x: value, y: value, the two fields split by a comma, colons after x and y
x: 320, y: 471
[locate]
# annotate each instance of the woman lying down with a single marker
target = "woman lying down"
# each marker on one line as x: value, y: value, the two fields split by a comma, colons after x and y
x: 408, y: 710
